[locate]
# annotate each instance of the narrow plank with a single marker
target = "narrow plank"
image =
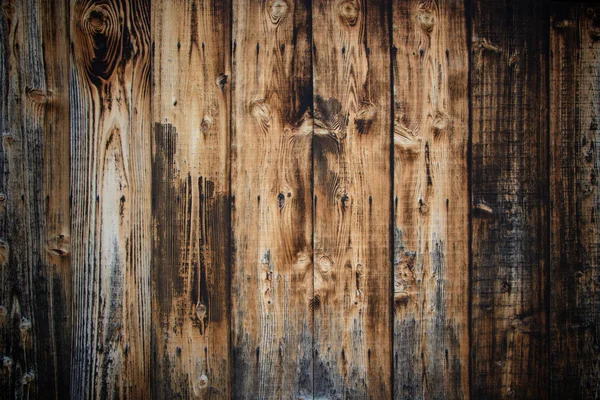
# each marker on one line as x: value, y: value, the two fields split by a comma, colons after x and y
x: 111, y: 205
x: 352, y: 196
x: 271, y: 183
x: 575, y: 229
x: 431, y: 203
x: 190, y: 199
x: 509, y: 193
x: 34, y: 200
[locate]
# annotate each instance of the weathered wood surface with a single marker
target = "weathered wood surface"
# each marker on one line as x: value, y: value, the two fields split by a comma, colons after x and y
x: 509, y: 196
x: 190, y: 199
x: 575, y: 229
x: 34, y: 200
x: 111, y: 205
x: 431, y: 200
x: 272, y: 281
x: 352, y: 185
x: 299, y: 199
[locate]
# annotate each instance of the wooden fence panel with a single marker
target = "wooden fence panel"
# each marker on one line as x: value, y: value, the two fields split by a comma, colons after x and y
x: 431, y: 202
x: 352, y: 197
x: 111, y: 206
x: 575, y: 229
x: 271, y: 210
x: 190, y: 199
x: 35, y: 278
x: 510, y: 199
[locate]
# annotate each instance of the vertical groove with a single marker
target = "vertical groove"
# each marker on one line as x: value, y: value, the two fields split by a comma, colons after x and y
x: 392, y: 194
x: 468, y: 12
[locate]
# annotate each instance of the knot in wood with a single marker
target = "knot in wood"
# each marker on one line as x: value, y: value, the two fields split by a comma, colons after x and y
x: 325, y: 264
x: 206, y: 123
x: 202, y: 381
x: 25, y: 325
x: 200, y: 311
x: 349, y: 12
x: 277, y: 11
x: 261, y: 112
x: 426, y: 20
x: 28, y: 378
x: 100, y: 40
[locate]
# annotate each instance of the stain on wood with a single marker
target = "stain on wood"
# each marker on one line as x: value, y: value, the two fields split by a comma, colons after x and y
x: 575, y: 162
x: 431, y: 200
x: 272, y: 280
x: 352, y: 182
x: 509, y: 175
x: 111, y: 204
x: 190, y: 200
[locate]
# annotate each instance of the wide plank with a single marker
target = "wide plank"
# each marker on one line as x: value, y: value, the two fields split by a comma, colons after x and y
x: 575, y: 196
x: 431, y: 200
x: 509, y: 327
x: 352, y: 199
x: 111, y: 205
x: 272, y: 281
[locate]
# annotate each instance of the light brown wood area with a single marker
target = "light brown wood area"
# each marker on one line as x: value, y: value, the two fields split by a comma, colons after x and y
x: 299, y: 199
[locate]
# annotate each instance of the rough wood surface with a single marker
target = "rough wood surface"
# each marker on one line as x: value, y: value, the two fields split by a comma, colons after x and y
x: 271, y: 184
x: 431, y: 203
x: 509, y: 195
x: 575, y: 229
x: 270, y: 199
x: 34, y: 200
x: 111, y: 206
x: 190, y: 199
x: 352, y: 197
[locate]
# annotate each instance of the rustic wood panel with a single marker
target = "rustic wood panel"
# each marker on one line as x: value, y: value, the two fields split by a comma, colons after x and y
x: 509, y: 194
x: 111, y: 207
x: 431, y: 203
x: 575, y: 162
x: 271, y: 184
x: 190, y: 199
x: 352, y: 199
x: 34, y: 200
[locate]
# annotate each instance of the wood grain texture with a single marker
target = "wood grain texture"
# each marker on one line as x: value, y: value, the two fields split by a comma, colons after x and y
x: 271, y: 181
x: 34, y: 200
x: 111, y: 208
x: 509, y: 194
x: 352, y: 197
x: 431, y: 204
x: 575, y: 163
x: 190, y: 199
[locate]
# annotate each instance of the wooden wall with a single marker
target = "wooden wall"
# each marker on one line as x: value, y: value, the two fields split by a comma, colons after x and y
x: 272, y: 199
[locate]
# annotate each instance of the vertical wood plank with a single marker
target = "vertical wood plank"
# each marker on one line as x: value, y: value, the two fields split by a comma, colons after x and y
x: 509, y: 193
x: 431, y: 253
x: 271, y: 182
x: 111, y: 208
x: 190, y: 199
x: 34, y: 200
x: 352, y: 198
x: 575, y: 162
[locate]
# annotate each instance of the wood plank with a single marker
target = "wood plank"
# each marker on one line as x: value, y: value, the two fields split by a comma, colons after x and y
x: 111, y: 208
x: 509, y: 194
x: 271, y: 217
x: 575, y: 229
x: 34, y: 200
x: 431, y: 204
x: 190, y: 199
x: 352, y: 197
